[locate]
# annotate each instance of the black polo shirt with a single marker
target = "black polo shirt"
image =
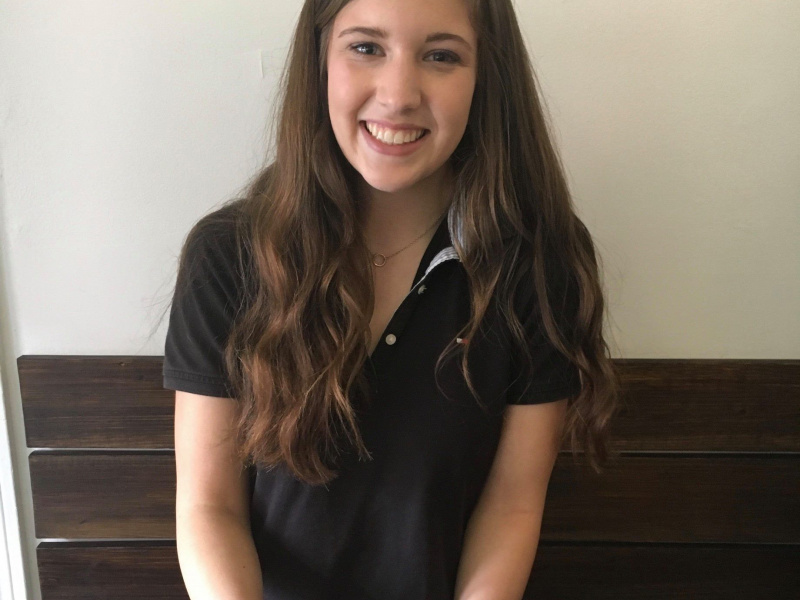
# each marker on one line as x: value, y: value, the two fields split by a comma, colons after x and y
x: 391, y: 528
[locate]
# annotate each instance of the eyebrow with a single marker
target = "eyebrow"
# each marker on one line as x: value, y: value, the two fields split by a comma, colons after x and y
x: 381, y: 33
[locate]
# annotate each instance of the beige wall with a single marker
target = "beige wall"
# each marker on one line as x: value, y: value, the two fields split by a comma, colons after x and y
x: 122, y: 122
x: 680, y: 128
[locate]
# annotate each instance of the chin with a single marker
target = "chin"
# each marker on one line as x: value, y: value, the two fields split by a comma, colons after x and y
x: 389, y: 185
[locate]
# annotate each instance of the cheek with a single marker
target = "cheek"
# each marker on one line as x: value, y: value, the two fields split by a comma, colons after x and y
x: 333, y: 88
x: 340, y: 87
x: 459, y: 103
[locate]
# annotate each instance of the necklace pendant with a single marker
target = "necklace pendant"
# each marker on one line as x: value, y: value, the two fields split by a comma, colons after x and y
x: 378, y: 260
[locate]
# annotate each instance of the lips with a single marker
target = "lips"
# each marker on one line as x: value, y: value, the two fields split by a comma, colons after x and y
x: 394, y: 136
x: 381, y: 147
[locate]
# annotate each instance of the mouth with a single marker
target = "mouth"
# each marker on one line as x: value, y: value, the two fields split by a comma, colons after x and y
x: 393, y: 138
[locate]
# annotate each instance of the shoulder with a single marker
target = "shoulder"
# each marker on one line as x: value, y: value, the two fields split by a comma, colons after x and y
x: 216, y: 254
x: 218, y: 230
x: 557, y: 285
x: 216, y: 240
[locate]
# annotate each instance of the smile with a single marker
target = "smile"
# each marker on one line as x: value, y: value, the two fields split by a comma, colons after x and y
x: 400, y: 143
x: 394, y: 137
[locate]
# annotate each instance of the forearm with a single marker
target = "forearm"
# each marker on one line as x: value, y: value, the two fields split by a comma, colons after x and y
x: 217, y: 557
x: 498, y: 553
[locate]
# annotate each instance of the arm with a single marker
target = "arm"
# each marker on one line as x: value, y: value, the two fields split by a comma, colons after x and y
x: 216, y: 552
x: 503, y: 532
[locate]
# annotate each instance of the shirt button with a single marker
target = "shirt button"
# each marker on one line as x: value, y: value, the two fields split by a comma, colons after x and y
x: 421, y: 289
x: 391, y: 339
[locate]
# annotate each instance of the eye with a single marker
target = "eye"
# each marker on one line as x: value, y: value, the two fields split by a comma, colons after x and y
x: 367, y: 45
x: 370, y: 49
x: 450, y: 57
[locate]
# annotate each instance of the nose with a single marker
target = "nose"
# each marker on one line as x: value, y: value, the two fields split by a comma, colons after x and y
x: 398, y: 85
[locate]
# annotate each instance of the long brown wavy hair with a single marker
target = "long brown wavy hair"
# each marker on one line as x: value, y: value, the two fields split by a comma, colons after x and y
x: 297, y: 348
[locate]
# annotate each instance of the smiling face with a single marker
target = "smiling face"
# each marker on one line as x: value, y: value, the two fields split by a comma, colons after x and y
x: 400, y: 69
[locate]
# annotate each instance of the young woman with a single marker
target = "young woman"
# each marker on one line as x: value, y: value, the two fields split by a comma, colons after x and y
x: 380, y: 348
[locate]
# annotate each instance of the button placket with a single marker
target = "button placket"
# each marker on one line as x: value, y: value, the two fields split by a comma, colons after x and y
x: 396, y: 326
x: 399, y: 320
x: 403, y: 313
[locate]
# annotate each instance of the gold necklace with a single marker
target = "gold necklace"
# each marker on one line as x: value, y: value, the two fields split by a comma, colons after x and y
x: 379, y: 259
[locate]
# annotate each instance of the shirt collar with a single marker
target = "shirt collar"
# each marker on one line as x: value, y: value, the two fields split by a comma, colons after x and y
x: 448, y: 230
x: 440, y: 248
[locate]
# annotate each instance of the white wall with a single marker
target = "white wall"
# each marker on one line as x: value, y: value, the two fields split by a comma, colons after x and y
x: 122, y: 122
x: 680, y: 127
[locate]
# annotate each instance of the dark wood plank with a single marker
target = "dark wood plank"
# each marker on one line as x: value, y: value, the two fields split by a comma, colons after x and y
x: 110, y: 571
x: 640, y: 572
x: 694, y: 405
x: 95, y: 402
x: 670, y: 498
x: 676, y: 498
x: 709, y: 405
x: 83, y: 495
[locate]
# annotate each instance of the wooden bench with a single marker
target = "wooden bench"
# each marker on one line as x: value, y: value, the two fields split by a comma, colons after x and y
x: 703, y: 500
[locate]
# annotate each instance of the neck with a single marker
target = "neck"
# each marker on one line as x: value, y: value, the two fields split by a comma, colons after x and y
x: 390, y: 220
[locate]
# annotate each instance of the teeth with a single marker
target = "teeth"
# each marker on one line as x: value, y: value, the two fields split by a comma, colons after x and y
x: 392, y: 137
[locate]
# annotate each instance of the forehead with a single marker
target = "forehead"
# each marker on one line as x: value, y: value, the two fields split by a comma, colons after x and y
x: 407, y: 18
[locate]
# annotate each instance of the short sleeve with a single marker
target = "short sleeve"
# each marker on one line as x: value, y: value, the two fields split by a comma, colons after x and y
x: 205, y: 303
x: 552, y: 376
